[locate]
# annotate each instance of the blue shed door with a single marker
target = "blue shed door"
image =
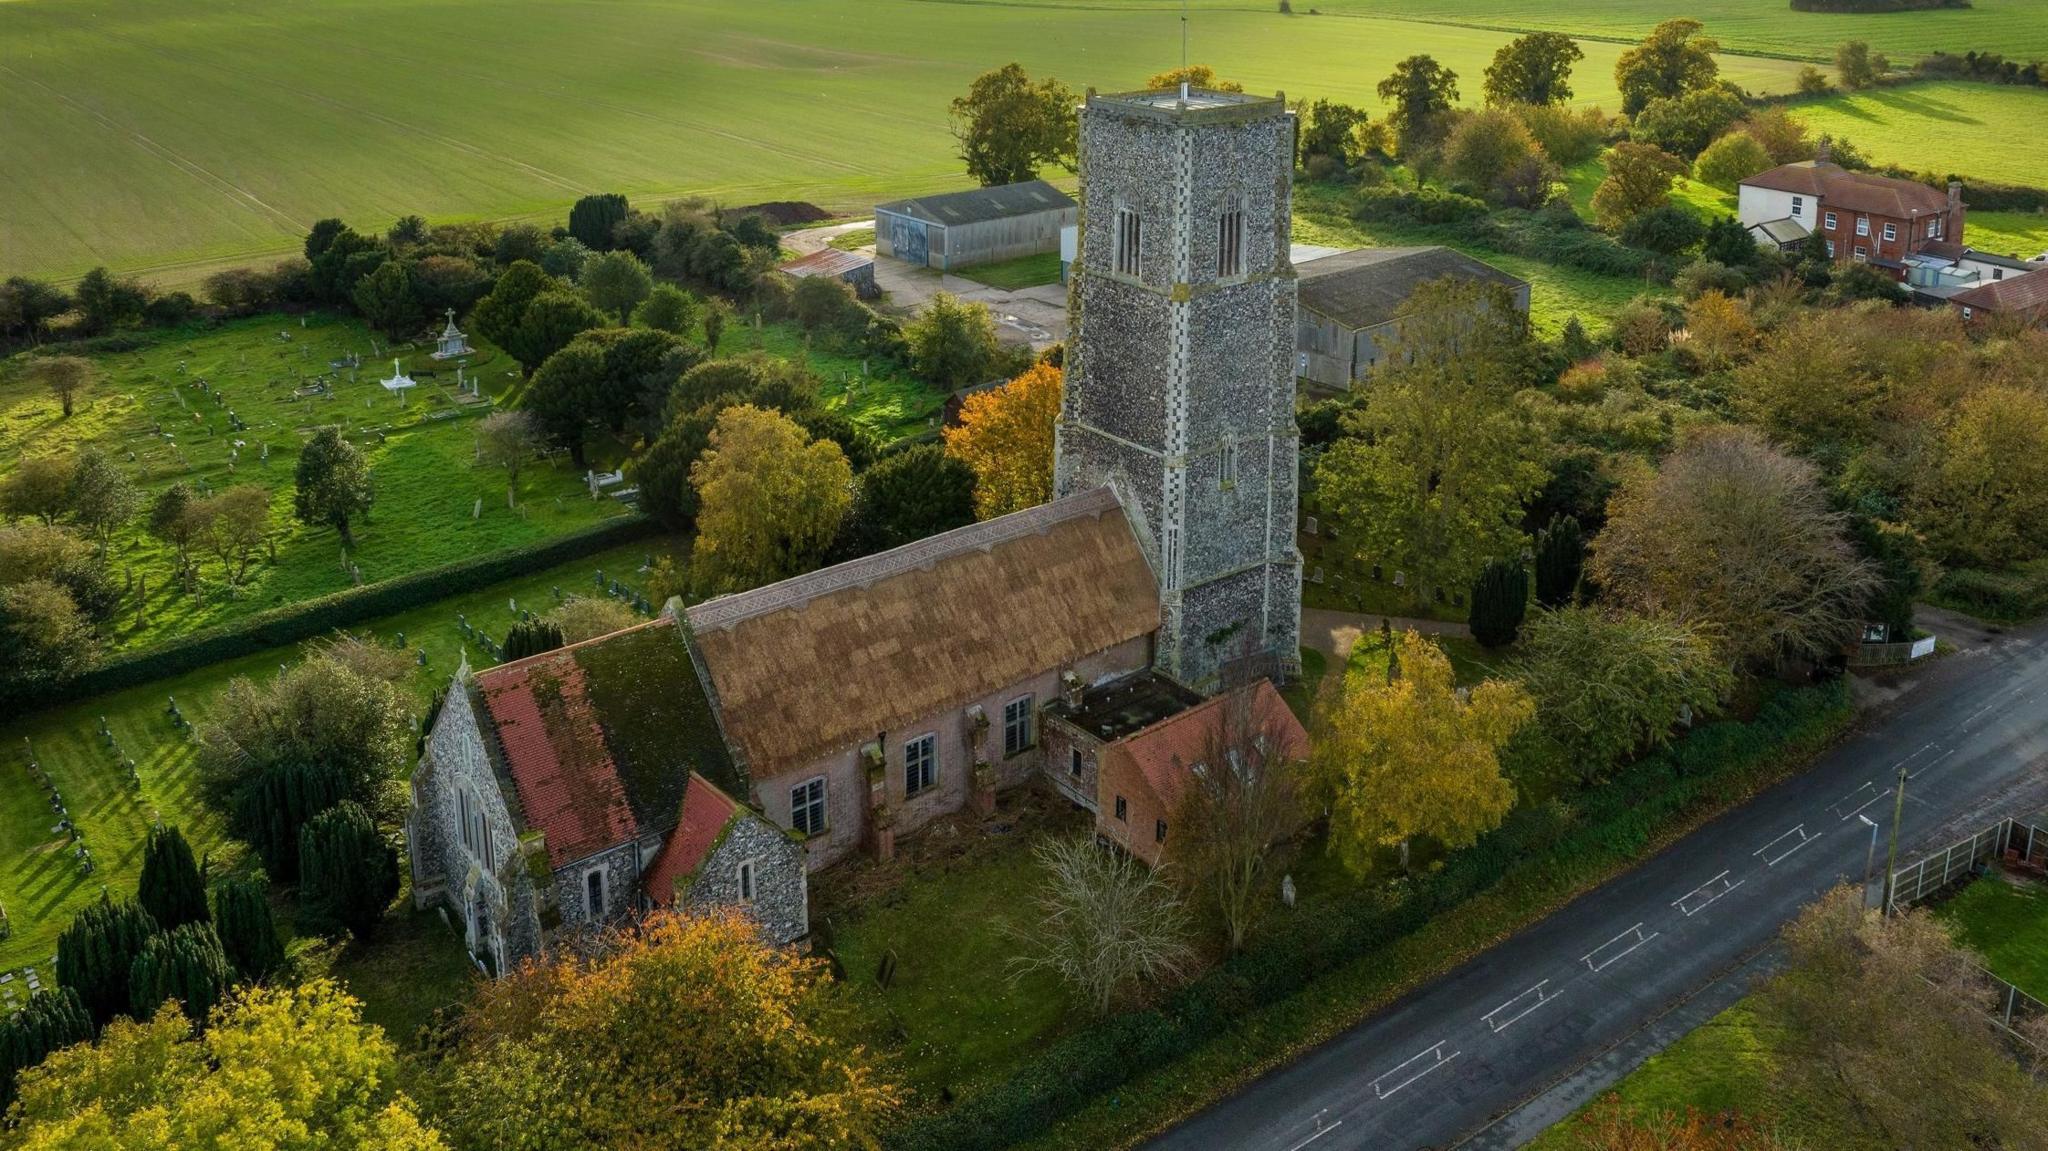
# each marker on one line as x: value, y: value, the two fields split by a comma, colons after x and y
x: 906, y: 240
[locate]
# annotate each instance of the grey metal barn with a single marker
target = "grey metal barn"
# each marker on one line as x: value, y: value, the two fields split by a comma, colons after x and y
x: 961, y: 229
x: 1349, y: 300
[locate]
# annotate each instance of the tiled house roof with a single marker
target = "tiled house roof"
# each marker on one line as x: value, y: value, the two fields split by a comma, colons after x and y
x: 706, y: 811
x: 824, y: 660
x: 599, y: 739
x: 1163, y: 753
x: 2012, y: 294
x: 1852, y: 191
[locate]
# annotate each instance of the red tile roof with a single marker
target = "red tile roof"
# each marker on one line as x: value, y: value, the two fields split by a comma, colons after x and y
x: 706, y: 811
x: 1164, y: 752
x: 2012, y: 294
x: 554, y: 749
x: 1840, y: 188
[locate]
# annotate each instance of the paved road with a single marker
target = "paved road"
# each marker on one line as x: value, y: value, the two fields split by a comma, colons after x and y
x: 1437, y: 1066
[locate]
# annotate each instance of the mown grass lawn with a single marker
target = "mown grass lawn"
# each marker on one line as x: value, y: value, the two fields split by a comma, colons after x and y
x: 1022, y: 272
x: 1722, y: 1065
x: 41, y: 888
x: 162, y: 412
x: 2005, y: 920
x: 955, y: 1013
x: 883, y: 399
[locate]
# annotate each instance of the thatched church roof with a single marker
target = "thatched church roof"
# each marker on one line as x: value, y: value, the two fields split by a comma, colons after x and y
x: 823, y: 661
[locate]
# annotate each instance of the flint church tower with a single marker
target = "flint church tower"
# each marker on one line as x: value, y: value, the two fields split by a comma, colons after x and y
x: 1180, y: 363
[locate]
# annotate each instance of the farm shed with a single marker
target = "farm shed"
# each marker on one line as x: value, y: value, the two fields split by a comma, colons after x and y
x: 1345, y: 322
x: 961, y: 229
x: 852, y: 267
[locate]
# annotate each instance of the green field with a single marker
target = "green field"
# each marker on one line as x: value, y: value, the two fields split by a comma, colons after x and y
x: 2017, y: 28
x: 1947, y: 127
x: 168, y: 138
x: 41, y: 887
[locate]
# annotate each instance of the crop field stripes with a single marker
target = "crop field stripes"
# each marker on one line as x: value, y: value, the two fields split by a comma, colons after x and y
x: 184, y: 164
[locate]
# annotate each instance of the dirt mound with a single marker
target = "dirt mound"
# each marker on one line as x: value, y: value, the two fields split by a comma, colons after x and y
x: 783, y: 213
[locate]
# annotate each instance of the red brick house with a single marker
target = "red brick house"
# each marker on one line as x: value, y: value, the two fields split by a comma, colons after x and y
x: 1142, y: 777
x: 1863, y: 218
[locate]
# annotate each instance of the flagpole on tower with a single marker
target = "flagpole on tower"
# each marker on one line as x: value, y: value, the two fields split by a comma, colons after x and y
x: 1183, y: 35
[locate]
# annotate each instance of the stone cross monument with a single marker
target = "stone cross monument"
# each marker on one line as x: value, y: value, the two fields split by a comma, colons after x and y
x: 1180, y: 364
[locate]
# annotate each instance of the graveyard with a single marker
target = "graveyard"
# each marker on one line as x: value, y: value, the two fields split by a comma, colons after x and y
x: 233, y: 405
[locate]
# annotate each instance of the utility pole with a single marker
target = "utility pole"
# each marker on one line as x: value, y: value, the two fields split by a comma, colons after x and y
x: 1891, y: 856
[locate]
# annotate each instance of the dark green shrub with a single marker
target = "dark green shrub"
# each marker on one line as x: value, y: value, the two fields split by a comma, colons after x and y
x: 348, y: 874
x: 273, y: 807
x: 187, y: 965
x: 1500, y: 599
x: 1560, y: 562
x: 1422, y: 206
x: 53, y: 1019
x: 242, y: 920
x: 171, y: 889
x: 97, y: 950
x: 531, y: 637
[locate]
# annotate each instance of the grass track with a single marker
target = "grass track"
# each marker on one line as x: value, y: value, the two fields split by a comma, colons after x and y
x: 165, y: 137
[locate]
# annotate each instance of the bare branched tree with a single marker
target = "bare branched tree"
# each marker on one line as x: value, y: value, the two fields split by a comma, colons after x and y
x: 1239, y: 800
x: 1736, y: 538
x: 1110, y: 923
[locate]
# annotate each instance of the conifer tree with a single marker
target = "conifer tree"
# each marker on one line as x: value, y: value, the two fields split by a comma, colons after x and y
x: 276, y: 804
x: 54, y: 1018
x: 1500, y: 598
x: 187, y: 965
x: 1574, y: 341
x: 348, y: 874
x: 171, y: 889
x: 95, y: 953
x: 531, y: 637
x: 1560, y: 561
x: 241, y: 917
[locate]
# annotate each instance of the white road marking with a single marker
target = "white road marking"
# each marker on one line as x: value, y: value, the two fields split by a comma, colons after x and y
x: 1930, y: 763
x: 1542, y: 995
x: 1858, y: 809
x: 1434, y: 1052
x: 1772, y: 860
x: 1634, y: 933
x: 1705, y: 893
x: 1320, y: 1132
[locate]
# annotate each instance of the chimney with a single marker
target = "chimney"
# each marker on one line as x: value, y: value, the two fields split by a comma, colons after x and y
x: 1827, y: 151
x: 1955, y: 195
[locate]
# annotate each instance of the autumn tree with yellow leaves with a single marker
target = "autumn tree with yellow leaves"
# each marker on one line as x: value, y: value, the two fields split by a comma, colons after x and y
x: 276, y: 1069
x: 1005, y: 435
x: 691, y: 1033
x: 770, y: 499
x: 1414, y: 755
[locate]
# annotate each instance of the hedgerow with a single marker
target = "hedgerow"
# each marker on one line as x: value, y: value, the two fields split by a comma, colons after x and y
x: 309, y: 618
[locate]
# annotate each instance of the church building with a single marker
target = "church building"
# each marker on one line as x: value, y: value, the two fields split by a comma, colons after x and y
x: 718, y: 754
